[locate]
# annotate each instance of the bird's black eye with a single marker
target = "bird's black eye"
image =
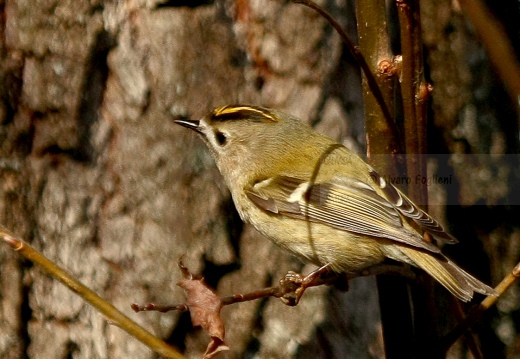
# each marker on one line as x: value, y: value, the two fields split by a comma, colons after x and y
x: 221, y: 138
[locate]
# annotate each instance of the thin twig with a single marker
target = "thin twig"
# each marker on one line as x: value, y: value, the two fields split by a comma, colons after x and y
x: 414, y: 125
x: 371, y: 81
x: 291, y: 287
x: 498, y: 48
x: 475, y: 314
x: 107, y: 309
x: 412, y: 89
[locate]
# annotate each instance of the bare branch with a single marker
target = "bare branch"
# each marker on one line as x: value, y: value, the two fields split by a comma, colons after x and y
x: 107, y: 309
x: 476, y: 312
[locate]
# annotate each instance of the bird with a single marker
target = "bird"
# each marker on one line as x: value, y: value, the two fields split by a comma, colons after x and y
x: 320, y: 201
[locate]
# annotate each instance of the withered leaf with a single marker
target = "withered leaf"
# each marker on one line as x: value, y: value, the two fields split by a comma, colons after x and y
x: 204, y: 306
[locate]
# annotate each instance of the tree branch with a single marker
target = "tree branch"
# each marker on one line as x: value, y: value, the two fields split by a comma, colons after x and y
x: 108, y: 310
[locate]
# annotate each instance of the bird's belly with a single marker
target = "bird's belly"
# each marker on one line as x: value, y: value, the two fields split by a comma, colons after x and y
x: 321, y: 244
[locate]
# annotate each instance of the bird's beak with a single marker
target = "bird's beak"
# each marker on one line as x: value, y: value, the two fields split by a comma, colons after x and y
x: 191, y: 124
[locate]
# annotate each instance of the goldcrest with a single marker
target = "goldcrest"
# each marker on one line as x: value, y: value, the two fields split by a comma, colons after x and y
x: 320, y: 201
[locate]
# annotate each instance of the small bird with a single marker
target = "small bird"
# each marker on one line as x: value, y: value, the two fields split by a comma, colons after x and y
x: 320, y: 201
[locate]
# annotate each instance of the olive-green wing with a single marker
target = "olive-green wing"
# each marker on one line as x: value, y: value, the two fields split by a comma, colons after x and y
x: 354, y: 207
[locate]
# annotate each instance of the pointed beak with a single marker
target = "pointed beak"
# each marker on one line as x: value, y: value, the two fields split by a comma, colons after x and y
x: 191, y: 124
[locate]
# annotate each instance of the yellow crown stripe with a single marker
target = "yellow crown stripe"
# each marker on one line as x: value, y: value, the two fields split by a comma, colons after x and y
x: 244, y: 111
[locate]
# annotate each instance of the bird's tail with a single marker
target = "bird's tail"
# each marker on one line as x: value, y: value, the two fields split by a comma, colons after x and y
x: 460, y: 283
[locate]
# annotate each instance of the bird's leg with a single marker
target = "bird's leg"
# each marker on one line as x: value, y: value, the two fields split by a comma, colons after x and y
x: 294, y: 284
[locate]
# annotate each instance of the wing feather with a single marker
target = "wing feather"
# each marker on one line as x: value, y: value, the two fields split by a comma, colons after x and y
x: 354, y: 207
x: 405, y: 206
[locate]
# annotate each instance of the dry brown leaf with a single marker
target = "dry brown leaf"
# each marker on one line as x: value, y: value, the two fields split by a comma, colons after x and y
x: 204, y: 306
x: 215, y: 346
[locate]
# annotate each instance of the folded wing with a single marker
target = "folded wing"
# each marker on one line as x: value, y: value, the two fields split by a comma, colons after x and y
x: 354, y: 207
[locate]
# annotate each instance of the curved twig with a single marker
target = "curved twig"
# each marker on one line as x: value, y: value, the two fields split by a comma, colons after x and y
x: 371, y: 80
